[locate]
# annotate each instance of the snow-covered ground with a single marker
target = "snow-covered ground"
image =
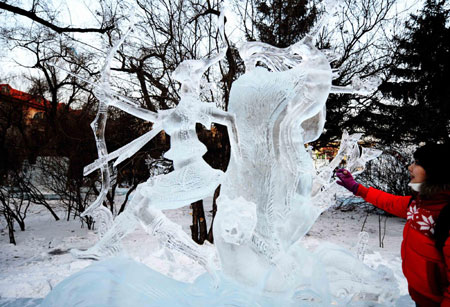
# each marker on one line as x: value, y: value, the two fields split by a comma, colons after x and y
x: 41, y: 258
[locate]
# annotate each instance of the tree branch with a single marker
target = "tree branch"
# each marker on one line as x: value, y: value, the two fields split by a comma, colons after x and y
x: 208, y: 11
x: 33, y: 16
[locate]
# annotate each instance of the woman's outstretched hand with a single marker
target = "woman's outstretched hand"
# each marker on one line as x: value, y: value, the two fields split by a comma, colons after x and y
x: 346, y: 180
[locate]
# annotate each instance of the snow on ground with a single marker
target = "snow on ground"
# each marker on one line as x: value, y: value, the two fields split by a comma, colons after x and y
x: 41, y: 258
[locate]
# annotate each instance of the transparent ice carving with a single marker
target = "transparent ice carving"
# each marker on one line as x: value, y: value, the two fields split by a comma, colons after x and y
x: 279, y: 105
x: 102, y: 215
x: 271, y: 194
x: 192, y: 179
x: 158, y: 166
x: 363, y: 241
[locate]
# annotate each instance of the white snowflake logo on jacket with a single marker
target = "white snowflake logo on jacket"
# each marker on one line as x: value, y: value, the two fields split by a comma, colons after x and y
x: 427, y: 223
x: 412, y: 212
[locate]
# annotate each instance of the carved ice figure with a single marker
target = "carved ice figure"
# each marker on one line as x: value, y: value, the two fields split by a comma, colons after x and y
x: 101, y: 214
x: 270, y: 196
x: 279, y: 108
x: 192, y: 179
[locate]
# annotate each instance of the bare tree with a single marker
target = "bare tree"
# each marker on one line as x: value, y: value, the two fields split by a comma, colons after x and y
x: 390, y: 171
x: 358, y: 40
x: 17, y: 194
x: 165, y: 34
x: 361, y: 43
x: 39, y: 6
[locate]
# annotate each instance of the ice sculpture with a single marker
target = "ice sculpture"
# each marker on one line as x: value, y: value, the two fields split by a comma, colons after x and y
x: 271, y: 194
x: 192, y: 179
x: 276, y: 116
x: 101, y: 214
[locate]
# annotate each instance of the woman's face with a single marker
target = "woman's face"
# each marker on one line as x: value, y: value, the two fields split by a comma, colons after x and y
x: 417, y: 173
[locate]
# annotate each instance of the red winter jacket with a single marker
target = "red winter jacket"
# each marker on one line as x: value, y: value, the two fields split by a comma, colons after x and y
x: 426, y: 269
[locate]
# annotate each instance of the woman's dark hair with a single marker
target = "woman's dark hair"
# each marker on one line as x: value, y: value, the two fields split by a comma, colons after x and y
x: 437, y: 170
x: 442, y: 227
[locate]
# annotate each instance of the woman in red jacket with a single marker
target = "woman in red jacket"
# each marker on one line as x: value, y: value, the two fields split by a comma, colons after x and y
x: 426, y: 245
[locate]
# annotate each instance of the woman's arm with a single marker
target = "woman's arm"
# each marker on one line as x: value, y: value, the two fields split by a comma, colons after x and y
x: 394, y: 204
x: 446, y: 252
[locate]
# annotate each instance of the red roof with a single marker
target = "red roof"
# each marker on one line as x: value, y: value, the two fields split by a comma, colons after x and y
x: 31, y: 101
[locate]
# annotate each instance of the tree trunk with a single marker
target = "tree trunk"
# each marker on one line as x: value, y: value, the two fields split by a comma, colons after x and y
x: 12, y: 216
x: 210, y: 236
x: 10, y: 222
x: 198, y: 227
x: 69, y: 209
x: 122, y: 207
x: 21, y: 223
x: 110, y: 197
x: 51, y: 211
x: 80, y: 205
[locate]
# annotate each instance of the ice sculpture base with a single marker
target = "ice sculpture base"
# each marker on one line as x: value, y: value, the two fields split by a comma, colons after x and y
x: 121, y: 281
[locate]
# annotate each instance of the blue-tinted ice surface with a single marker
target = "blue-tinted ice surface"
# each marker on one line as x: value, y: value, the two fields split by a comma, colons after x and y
x: 20, y: 302
x: 121, y: 281
x: 271, y: 194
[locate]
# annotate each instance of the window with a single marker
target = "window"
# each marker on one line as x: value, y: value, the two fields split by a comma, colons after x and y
x: 38, y: 115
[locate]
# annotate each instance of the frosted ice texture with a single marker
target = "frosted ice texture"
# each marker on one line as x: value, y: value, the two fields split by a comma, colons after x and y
x: 192, y: 179
x: 121, y: 281
x: 278, y: 110
x: 271, y: 194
